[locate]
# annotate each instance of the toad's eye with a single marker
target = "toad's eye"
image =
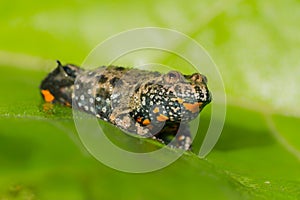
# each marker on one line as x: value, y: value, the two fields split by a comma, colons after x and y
x: 69, y: 71
x: 172, y: 77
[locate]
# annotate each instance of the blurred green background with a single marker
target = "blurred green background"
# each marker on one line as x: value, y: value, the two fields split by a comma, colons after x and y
x: 256, y: 47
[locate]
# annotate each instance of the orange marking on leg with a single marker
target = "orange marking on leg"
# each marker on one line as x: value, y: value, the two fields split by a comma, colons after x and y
x: 193, y: 107
x: 162, y: 118
x: 48, y: 97
x: 146, y: 122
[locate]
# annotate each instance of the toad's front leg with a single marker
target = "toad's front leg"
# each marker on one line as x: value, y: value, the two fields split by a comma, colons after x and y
x: 176, y: 135
x: 124, y: 121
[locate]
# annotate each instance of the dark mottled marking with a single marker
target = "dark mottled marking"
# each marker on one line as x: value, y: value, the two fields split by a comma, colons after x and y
x: 119, y: 68
x: 114, y: 80
x: 102, y: 92
x: 102, y: 78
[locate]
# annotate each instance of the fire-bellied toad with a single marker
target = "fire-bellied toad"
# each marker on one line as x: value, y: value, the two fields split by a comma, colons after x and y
x: 150, y: 104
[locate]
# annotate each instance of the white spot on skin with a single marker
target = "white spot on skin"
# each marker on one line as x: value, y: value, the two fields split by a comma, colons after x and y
x: 86, y: 108
x: 92, y: 109
x: 91, y: 100
x: 203, y: 98
x: 175, y: 109
x: 77, y: 86
x: 104, y: 109
x: 98, y: 99
x: 81, y: 97
x: 89, y: 91
x: 187, y: 143
x: 79, y: 104
x: 114, y: 96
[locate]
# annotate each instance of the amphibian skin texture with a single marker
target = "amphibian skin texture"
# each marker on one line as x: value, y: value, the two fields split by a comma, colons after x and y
x: 146, y: 103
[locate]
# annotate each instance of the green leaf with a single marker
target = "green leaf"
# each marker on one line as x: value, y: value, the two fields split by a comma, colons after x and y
x: 254, y: 43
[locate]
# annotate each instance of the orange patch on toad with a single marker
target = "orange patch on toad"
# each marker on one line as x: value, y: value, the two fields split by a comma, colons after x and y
x: 146, y: 122
x: 48, y: 97
x: 139, y: 119
x: 180, y: 100
x: 193, y: 107
x: 162, y: 118
x: 156, y: 110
